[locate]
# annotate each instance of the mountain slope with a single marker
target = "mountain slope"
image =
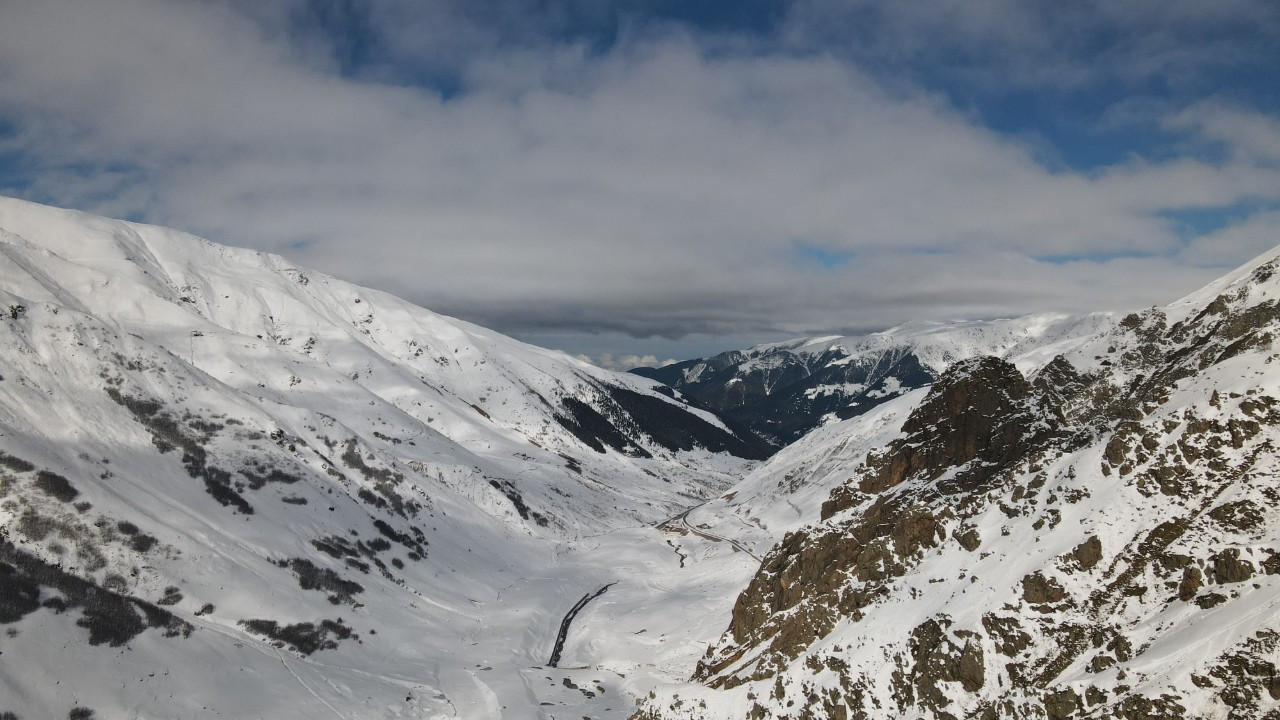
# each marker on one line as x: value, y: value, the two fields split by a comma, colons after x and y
x: 264, y: 329
x: 230, y: 487
x: 783, y: 390
x: 1096, y: 537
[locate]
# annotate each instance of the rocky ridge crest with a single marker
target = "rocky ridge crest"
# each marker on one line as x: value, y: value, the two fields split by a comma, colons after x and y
x: 1097, y: 540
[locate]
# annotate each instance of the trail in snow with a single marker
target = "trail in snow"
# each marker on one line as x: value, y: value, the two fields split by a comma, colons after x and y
x: 679, y: 553
x: 305, y: 686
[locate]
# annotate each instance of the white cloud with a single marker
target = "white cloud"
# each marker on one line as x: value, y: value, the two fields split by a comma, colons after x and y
x: 653, y: 189
x: 1248, y: 135
x: 1236, y: 243
x: 623, y: 363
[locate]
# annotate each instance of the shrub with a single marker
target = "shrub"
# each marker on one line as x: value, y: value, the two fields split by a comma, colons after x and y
x: 15, y: 464
x: 142, y: 542
x: 53, y: 484
x: 311, y: 577
x: 304, y: 638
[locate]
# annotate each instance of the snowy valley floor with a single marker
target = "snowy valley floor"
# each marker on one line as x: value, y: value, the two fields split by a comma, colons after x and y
x: 671, y: 594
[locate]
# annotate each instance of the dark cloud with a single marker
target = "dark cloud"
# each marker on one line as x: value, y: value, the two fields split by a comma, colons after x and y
x: 552, y: 170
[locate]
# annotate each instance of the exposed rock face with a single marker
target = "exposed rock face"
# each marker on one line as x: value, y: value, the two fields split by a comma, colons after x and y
x: 1038, y: 590
x: 1087, y: 554
x: 1044, y: 547
x: 977, y: 417
x: 972, y: 417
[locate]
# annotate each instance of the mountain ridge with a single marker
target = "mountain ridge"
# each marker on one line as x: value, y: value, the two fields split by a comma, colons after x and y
x: 1093, y: 538
x: 233, y: 487
x: 785, y: 389
x: 217, y: 465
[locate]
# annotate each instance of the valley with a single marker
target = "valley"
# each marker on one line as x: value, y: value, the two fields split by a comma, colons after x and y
x: 231, y: 487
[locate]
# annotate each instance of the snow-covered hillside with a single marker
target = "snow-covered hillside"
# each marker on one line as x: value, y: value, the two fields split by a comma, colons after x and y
x: 233, y: 488
x: 784, y: 390
x: 1091, y: 533
x: 230, y: 487
x: 440, y: 394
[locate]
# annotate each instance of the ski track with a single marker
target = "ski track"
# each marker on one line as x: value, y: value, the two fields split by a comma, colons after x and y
x: 307, y: 687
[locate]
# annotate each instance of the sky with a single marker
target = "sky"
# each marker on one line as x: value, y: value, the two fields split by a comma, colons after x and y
x: 640, y: 181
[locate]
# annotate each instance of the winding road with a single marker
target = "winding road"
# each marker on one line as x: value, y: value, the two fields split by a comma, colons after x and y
x: 683, y: 520
x: 568, y: 620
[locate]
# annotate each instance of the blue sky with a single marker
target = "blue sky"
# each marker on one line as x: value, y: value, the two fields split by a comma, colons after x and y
x: 670, y: 178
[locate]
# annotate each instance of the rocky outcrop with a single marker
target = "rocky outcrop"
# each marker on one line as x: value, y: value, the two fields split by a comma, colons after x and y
x: 978, y: 416
x: 1052, y: 547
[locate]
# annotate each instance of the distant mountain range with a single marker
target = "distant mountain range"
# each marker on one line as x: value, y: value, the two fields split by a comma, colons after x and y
x: 783, y: 390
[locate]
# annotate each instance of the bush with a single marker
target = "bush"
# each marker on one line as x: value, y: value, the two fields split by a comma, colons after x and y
x: 109, y: 617
x: 15, y: 464
x: 34, y: 526
x: 304, y: 638
x: 18, y: 595
x: 142, y: 542
x: 55, y: 485
x: 311, y: 577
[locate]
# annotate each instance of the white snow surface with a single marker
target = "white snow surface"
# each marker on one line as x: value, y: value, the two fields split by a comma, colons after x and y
x: 360, y: 397
x: 355, y: 391
x: 1177, y: 643
x: 1032, y: 339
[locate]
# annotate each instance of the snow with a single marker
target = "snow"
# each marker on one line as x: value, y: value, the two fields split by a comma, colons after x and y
x: 1173, y: 640
x: 1033, y: 339
x: 301, y: 371
x: 308, y: 374
x: 842, y: 389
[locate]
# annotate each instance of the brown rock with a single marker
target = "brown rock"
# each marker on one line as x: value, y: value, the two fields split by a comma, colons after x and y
x: 1229, y: 568
x: 1088, y: 553
x: 1037, y: 589
x: 978, y: 409
x: 1192, y: 581
x: 968, y: 538
x: 1061, y: 705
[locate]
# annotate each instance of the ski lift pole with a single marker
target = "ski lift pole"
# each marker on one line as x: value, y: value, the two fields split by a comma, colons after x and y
x: 191, y: 351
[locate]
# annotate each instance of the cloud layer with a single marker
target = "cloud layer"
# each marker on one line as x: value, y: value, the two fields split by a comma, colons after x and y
x: 665, y: 180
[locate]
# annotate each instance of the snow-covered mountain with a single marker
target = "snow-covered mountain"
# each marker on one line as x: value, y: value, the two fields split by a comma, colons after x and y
x: 231, y: 487
x: 784, y: 390
x: 1089, y: 530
